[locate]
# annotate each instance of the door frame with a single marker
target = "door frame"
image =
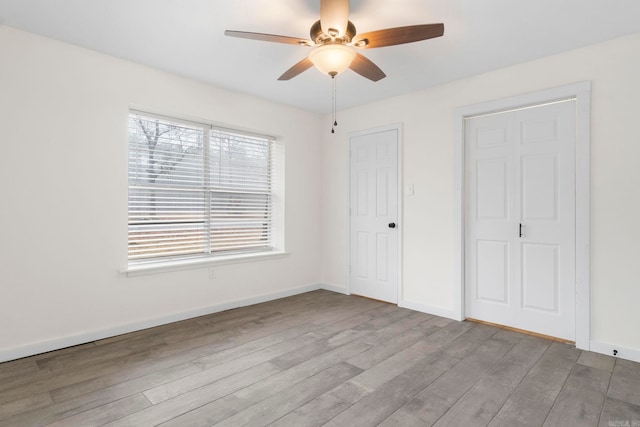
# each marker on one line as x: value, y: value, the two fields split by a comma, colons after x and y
x: 400, y: 223
x: 581, y: 92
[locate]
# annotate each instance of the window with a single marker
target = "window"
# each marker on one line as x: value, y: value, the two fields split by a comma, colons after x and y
x: 197, y: 191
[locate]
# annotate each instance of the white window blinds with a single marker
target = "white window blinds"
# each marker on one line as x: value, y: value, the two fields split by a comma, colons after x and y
x: 196, y: 191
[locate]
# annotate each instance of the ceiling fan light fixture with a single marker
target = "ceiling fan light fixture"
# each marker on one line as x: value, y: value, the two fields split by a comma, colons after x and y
x: 332, y: 59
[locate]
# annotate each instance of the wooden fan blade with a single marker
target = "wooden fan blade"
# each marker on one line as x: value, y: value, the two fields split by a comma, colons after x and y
x: 268, y: 38
x: 366, y: 68
x: 398, y: 35
x: 300, y: 67
x: 334, y: 17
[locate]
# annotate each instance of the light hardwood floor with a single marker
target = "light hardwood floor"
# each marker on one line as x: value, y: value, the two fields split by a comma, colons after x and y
x: 321, y: 358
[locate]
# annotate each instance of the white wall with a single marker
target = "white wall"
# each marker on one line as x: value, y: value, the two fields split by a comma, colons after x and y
x: 63, y: 181
x: 427, y: 226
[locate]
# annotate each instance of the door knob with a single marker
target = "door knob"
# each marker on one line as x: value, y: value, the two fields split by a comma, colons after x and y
x: 392, y: 225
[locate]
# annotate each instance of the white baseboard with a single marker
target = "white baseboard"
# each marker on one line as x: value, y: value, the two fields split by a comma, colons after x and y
x: 436, y: 311
x: 627, y: 353
x: 334, y: 288
x: 69, y: 341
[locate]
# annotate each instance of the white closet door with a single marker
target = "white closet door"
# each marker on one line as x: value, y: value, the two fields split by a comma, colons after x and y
x: 520, y: 219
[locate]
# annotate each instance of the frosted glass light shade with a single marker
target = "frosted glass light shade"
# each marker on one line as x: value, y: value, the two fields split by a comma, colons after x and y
x: 332, y: 59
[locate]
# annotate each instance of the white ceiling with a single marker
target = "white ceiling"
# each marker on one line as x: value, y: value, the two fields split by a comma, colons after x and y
x: 186, y: 37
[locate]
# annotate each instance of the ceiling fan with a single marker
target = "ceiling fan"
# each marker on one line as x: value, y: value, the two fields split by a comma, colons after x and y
x: 334, y: 41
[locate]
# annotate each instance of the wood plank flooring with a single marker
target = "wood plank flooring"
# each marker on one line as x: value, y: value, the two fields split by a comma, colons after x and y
x: 321, y: 358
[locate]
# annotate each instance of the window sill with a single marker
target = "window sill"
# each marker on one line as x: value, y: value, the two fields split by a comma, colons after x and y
x: 192, y: 264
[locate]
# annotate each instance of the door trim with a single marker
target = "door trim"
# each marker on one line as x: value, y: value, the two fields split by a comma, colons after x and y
x: 398, y: 128
x: 582, y: 94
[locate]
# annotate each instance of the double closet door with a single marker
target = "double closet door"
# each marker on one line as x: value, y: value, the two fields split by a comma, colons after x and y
x: 520, y: 218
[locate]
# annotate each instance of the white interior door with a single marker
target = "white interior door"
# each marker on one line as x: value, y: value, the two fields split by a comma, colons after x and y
x: 374, y: 215
x: 520, y: 219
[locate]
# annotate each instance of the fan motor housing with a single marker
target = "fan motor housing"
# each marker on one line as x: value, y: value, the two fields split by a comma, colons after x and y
x: 319, y: 37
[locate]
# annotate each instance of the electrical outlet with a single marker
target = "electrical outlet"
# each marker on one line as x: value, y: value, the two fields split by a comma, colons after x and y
x: 212, y: 273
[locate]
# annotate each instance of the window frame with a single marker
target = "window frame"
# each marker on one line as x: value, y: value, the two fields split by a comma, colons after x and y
x: 274, y: 231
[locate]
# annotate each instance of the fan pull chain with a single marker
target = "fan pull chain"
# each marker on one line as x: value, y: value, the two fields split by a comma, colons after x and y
x: 333, y: 101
